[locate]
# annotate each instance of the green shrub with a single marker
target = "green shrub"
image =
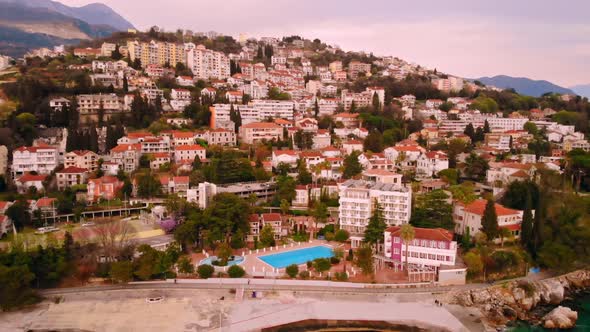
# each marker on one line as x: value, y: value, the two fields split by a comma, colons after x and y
x: 292, y: 270
x: 321, y: 264
x: 235, y: 271
x: 304, y: 275
x: 205, y: 271
x: 329, y: 236
x: 334, y: 260
x: 341, y: 235
x: 309, y: 264
x: 341, y: 276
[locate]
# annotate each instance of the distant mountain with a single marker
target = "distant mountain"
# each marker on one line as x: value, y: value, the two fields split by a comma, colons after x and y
x: 582, y: 90
x: 94, y: 13
x: 524, y: 85
x: 23, y: 27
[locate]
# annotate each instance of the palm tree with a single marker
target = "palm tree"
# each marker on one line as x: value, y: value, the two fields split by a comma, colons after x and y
x: 407, y: 234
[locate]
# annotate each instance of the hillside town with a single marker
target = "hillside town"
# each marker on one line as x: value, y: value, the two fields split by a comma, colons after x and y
x: 219, y: 149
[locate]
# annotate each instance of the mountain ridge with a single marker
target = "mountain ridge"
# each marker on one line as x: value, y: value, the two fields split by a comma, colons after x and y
x: 524, y: 85
x: 582, y: 90
x: 94, y: 13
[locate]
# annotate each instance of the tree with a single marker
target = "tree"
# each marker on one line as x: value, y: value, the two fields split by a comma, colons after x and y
x: 185, y: 265
x: 321, y: 265
x: 376, y: 102
x: 489, y: 221
x: 486, y: 127
x: 304, y: 177
x: 285, y: 207
x: 122, y: 271
x: 474, y: 263
x: 526, y: 231
x: 292, y: 270
x: 352, y: 166
x: 432, y: 210
x: 237, y: 240
x: 374, y: 142
x: 19, y: 214
x: 223, y: 253
x: 341, y: 235
x: 148, y: 185
x: 376, y: 226
x: 125, y: 84
x: 316, y: 109
x: 267, y: 236
x: 470, y: 131
x: 476, y: 167
x: 116, y: 54
x: 205, y: 271
x: 235, y: 271
x: 407, y: 233
x: 364, y: 259
x: 15, y: 289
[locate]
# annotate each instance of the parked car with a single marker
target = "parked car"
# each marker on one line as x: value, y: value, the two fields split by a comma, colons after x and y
x: 45, y: 230
x: 154, y: 299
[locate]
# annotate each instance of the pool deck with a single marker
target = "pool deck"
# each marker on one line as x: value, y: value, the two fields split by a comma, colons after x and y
x: 254, y: 266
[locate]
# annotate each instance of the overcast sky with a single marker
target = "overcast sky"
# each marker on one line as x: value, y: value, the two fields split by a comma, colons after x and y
x: 539, y: 39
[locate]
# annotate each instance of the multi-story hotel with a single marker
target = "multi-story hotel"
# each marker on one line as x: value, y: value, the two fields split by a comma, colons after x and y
x: 207, y: 64
x: 156, y: 53
x: 358, y: 199
x: 256, y: 111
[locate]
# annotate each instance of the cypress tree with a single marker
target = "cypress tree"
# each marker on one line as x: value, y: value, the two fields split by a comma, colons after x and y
x: 125, y: 83
x: 486, y: 127
x: 526, y: 229
x: 489, y: 221
x: 537, y: 236
x: 93, y: 140
x: 376, y: 226
x: 470, y: 131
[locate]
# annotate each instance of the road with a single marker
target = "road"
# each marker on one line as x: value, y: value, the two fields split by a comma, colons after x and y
x: 265, y: 285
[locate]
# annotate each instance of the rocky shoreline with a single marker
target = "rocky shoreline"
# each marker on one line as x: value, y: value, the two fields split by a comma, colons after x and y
x: 517, y: 300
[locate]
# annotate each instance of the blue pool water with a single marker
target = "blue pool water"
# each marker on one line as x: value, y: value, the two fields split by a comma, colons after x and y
x: 211, y: 259
x: 299, y: 256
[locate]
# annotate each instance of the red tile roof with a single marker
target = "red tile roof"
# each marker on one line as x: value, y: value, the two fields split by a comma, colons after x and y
x: 30, y: 178
x: 192, y: 147
x: 478, y: 207
x: 126, y: 147
x: 434, y: 234
x: 45, y: 202
x: 268, y: 217
x: 73, y: 170
x: 261, y: 125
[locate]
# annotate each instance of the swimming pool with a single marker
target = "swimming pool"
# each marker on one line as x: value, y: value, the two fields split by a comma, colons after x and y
x: 235, y: 261
x: 299, y: 256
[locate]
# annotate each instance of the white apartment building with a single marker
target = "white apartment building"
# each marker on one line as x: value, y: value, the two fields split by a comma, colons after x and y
x: 81, y: 159
x: 42, y: 159
x: 432, y: 162
x: 207, y: 64
x: 256, y: 132
x: 71, y: 176
x: 358, y: 197
x: 189, y: 152
x: 89, y: 106
x: 469, y: 216
x: 180, y: 94
x: 126, y: 156
x: 256, y: 111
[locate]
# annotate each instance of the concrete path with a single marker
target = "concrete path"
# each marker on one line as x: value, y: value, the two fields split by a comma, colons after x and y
x: 254, y: 316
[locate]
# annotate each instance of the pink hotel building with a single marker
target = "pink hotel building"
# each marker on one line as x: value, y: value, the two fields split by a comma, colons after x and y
x: 432, y: 255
